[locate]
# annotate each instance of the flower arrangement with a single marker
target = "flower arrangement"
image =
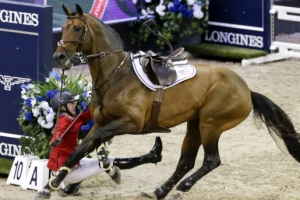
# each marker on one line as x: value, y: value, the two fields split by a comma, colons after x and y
x: 174, y: 18
x: 37, y: 118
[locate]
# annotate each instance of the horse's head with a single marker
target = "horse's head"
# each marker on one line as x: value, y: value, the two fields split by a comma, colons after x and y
x: 76, y: 36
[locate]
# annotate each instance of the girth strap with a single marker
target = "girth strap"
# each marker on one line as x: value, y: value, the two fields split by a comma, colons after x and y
x: 153, y: 125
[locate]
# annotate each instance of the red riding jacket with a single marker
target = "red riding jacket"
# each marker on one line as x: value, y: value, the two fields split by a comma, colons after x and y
x: 60, y: 153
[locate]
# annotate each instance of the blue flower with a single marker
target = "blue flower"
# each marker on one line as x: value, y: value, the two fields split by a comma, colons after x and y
x: 187, y: 13
x: 25, y: 86
x: 82, y: 104
x: 84, y: 95
x: 55, y: 75
x: 49, y: 94
x: 177, y: 2
x: 21, y: 111
x: 173, y: 9
x: 199, y: 3
x: 28, y: 102
x: 55, y: 91
x: 28, y: 116
x: 183, y: 9
x: 91, y: 122
x: 77, y: 111
x: 85, y: 127
x: 39, y: 98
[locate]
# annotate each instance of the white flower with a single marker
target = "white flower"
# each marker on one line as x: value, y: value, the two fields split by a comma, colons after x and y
x: 23, y: 91
x: 170, y: 4
x: 48, y: 111
x: 80, y: 83
x: 39, y: 120
x: 148, y: 1
x: 35, y: 112
x: 24, y: 97
x: 76, y: 97
x: 150, y: 11
x: 33, y: 101
x: 197, y: 11
x: 47, y: 80
x: 134, y: 1
x: 190, y: 2
x: 50, y: 117
x: 36, y: 91
x: 44, y: 105
x: 31, y: 86
x: 48, y: 125
x: 160, y: 9
x: 144, y: 12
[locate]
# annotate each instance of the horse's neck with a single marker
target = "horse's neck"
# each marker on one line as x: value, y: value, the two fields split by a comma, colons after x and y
x: 101, y: 70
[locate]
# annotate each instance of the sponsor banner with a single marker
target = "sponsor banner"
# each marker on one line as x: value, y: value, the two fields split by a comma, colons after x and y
x: 288, y: 3
x: 248, y: 26
x: 26, y: 54
x: 109, y: 11
x: 9, y: 145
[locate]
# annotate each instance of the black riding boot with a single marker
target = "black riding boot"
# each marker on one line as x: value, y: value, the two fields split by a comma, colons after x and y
x: 154, y: 156
x: 71, y: 189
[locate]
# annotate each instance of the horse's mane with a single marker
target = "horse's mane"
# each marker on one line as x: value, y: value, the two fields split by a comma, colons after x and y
x: 111, y: 30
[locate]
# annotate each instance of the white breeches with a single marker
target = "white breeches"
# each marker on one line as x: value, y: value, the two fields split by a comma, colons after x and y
x: 87, y: 167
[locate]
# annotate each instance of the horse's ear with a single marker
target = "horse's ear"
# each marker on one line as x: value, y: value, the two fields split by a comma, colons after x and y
x: 66, y: 10
x: 79, y: 10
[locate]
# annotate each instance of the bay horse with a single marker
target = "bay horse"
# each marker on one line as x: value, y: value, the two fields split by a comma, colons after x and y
x: 216, y: 99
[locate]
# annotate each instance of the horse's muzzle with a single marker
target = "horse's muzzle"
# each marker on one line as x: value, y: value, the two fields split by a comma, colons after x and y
x: 62, y: 60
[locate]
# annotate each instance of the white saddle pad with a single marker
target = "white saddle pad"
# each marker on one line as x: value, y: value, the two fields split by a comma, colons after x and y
x: 184, y: 72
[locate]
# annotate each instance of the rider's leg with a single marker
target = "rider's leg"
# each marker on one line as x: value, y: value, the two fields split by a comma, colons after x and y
x: 154, y: 156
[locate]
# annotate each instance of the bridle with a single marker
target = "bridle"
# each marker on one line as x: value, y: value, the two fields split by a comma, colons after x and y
x: 82, y: 37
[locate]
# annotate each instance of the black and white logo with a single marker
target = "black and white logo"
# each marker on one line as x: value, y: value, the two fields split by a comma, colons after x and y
x: 8, y: 81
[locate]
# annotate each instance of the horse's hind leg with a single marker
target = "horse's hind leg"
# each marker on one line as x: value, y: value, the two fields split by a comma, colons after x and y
x: 210, y: 162
x: 189, y: 150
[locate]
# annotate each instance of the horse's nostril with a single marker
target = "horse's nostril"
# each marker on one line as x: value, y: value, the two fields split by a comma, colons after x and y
x: 61, y: 57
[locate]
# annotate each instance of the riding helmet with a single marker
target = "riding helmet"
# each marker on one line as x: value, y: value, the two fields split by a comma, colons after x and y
x: 61, y: 99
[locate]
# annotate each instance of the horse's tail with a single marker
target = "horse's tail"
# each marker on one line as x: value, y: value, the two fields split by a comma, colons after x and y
x: 277, y: 121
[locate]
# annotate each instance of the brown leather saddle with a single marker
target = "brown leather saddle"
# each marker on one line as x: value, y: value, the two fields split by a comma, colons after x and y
x: 161, y: 66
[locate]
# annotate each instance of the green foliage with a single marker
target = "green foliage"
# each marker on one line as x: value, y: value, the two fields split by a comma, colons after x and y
x: 176, y: 21
x: 223, y: 52
x: 5, y: 165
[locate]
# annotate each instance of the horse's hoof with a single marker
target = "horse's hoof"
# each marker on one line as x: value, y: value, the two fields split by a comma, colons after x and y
x: 45, y: 194
x: 155, y: 153
x: 52, y: 184
x: 176, y: 196
x: 149, y: 195
x: 161, y: 193
x: 185, y: 185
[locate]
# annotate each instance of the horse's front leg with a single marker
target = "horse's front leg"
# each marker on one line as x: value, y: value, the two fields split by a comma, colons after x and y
x: 117, y: 127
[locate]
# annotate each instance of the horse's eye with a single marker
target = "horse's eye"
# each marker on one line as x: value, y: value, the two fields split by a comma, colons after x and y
x: 77, y: 28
